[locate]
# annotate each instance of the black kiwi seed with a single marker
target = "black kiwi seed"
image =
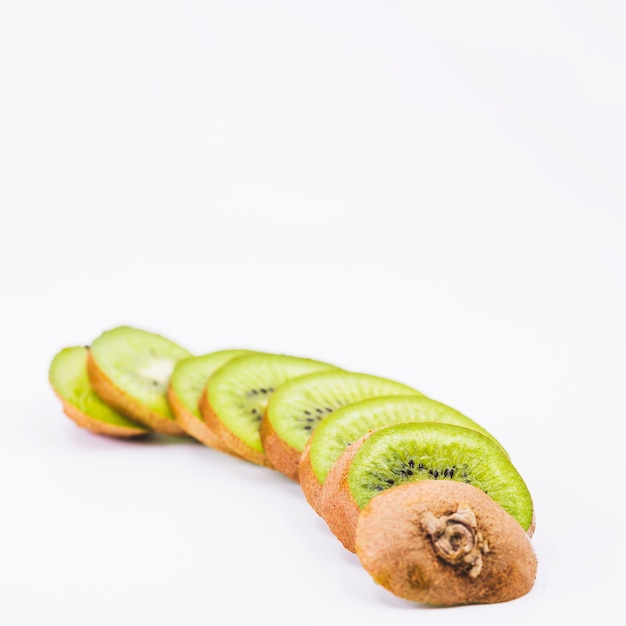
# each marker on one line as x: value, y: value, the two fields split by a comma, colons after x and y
x: 405, y: 472
x: 311, y: 419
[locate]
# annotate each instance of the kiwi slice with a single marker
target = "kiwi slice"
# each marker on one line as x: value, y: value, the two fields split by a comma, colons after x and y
x: 351, y: 422
x: 444, y: 543
x: 301, y: 404
x: 130, y: 370
x: 237, y: 394
x: 403, y: 453
x: 68, y: 377
x: 186, y: 386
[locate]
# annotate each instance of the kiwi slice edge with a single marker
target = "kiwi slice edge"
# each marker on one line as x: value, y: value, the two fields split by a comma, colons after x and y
x: 351, y: 422
x: 130, y: 368
x: 186, y: 386
x: 301, y: 404
x: 236, y: 396
x: 69, y: 380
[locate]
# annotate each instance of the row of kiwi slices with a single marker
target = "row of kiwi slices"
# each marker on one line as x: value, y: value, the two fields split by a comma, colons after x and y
x: 427, y: 498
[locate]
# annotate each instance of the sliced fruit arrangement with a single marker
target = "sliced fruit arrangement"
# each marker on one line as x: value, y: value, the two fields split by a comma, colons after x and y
x: 130, y: 370
x: 237, y: 394
x: 427, y: 498
x: 68, y: 377
x: 186, y: 386
x: 300, y: 405
x: 353, y: 421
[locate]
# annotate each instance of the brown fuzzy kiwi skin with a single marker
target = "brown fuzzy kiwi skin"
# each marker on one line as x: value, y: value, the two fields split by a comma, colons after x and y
x: 337, y: 506
x: 311, y: 486
x: 228, y: 439
x: 195, y: 427
x: 126, y: 404
x: 281, y: 455
x: 395, y: 546
x: 100, y: 428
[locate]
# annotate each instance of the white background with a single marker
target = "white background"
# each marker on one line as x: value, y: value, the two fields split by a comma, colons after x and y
x: 432, y: 192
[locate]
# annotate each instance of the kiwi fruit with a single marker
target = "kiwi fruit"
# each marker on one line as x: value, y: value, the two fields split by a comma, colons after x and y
x: 427, y: 498
x: 237, y: 394
x: 69, y: 380
x: 402, y: 453
x: 186, y: 386
x: 351, y: 422
x: 130, y: 370
x: 444, y: 543
x: 300, y: 405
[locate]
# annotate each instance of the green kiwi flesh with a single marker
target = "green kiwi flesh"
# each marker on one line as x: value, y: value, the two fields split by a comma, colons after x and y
x: 351, y: 422
x: 239, y: 391
x: 69, y: 379
x: 190, y: 377
x: 301, y: 404
x: 428, y: 451
x: 139, y: 365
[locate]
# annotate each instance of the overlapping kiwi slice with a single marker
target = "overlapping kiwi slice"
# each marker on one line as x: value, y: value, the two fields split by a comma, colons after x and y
x: 68, y: 377
x: 130, y: 370
x: 186, y: 387
x: 356, y: 453
x: 300, y: 405
x: 351, y: 422
x: 237, y: 394
x: 403, y: 453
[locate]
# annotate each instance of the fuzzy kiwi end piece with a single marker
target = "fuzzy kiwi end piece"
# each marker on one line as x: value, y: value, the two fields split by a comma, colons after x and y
x: 130, y: 370
x: 406, y: 453
x: 336, y: 432
x: 185, y: 390
x: 237, y: 394
x: 444, y: 543
x: 70, y: 382
x: 301, y: 404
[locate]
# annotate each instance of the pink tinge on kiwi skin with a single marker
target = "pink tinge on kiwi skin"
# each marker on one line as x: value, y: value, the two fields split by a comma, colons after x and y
x: 337, y: 506
x: 444, y: 543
